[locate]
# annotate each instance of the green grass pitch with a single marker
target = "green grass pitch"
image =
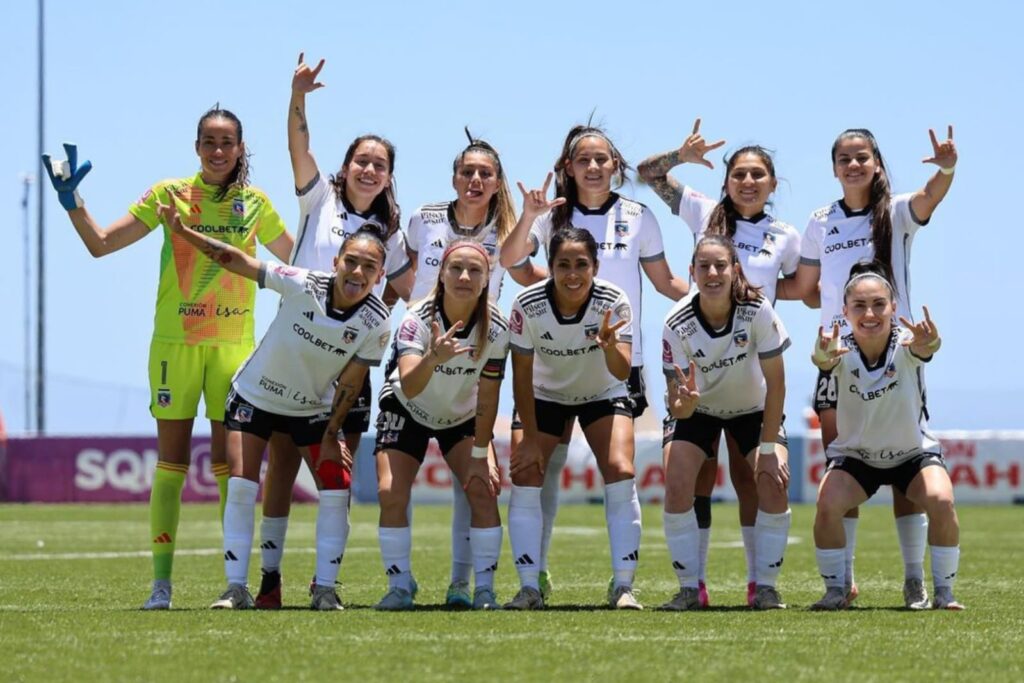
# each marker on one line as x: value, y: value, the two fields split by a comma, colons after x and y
x: 72, y: 579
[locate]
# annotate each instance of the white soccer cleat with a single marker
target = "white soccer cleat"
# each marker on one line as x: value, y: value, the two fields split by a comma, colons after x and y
x: 914, y: 594
x: 944, y: 600
x: 235, y: 597
x: 834, y: 599
x: 325, y: 599
x: 685, y: 600
x: 766, y: 597
x: 161, y: 596
x: 527, y: 598
x: 622, y: 597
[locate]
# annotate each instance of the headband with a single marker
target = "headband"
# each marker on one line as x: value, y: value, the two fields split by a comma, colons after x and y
x: 861, y: 276
x: 466, y: 243
x: 588, y: 133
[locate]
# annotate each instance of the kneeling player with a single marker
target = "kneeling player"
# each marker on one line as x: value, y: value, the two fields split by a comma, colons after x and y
x: 443, y: 382
x: 570, y: 361
x: 718, y: 330
x: 883, y: 437
x: 328, y: 327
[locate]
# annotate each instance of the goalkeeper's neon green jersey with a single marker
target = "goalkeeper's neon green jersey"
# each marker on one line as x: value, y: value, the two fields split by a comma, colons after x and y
x: 198, y: 302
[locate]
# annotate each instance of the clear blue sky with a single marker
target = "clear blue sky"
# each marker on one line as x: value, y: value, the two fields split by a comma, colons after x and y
x: 127, y: 82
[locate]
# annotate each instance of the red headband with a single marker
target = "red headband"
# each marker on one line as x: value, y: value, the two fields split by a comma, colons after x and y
x: 472, y: 245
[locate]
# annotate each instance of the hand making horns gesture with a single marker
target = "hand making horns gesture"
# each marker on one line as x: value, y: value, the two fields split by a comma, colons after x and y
x: 304, y: 81
x: 695, y: 147
x: 535, y: 202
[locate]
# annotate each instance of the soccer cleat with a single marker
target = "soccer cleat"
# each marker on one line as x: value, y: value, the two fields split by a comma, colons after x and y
x: 457, y: 596
x: 944, y: 600
x: 834, y: 599
x: 686, y: 599
x: 546, y: 586
x: 767, y: 598
x: 395, y: 600
x: 914, y: 594
x: 751, y: 593
x: 484, y: 598
x: 702, y: 595
x: 325, y: 599
x: 235, y: 597
x: 414, y: 587
x: 161, y: 596
x: 851, y: 593
x: 269, y: 596
x: 622, y: 598
x: 526, y: 598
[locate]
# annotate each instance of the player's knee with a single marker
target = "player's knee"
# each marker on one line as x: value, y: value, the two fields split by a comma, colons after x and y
x: 333, y: 476
x: 391, y: 499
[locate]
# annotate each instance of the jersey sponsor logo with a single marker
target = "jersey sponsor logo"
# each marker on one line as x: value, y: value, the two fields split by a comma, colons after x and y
x: 621, y: 228
x: 368, y: 319
x: 724, y: 363
x: 746, y: 313
x: 536, y: 310
x: 833, y: 231
x: 431, y: 261
x: 547, y: 335
x: 631, y: 208
x: 758, y: 249
x: 740, y: 338
x: 349, y: 335
x: 272, y: 386
x: 308, y: 315
x: 564, y: 353
x: 666, y: 351
x: 874, y: 393
x: 434, y: 217
x: 515, y: 322
x: 163, y: 397
x: 612, y: 246
x: 238, y: 208
x: 286, y: 271
x: 848, y: 244
x: 454, y: 371
x: 590, y: 331
x: 407, y: 332
x: 317, y: 341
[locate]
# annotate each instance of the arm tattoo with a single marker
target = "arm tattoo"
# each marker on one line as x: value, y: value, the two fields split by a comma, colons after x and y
x: 303, y: 128
x: 655, y: 172
x: 669, y: 190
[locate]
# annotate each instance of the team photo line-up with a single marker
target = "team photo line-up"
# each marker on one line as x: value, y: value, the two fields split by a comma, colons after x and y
x: 574, y: 334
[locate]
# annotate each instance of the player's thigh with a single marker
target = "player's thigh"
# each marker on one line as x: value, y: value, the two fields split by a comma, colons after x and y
x: 175, y: 380
x: 219, y: 366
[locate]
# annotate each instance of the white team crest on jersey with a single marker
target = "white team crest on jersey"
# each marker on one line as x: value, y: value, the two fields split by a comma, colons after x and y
x: 740, y: 338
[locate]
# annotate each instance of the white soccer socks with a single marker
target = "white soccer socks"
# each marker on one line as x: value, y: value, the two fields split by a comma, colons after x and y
x: 772, y: 533
x: 332, y: 528
x: 945, y: 564
x: 622, y: 515
x: 832, y: 566
x: 912, y: 531
x: 683, y: 537
x: 486, y: 546
x: 395, y: 549
x: 462, y: 553
x: 549, y: 498
x: 272, y: 535
x: 524, y: 532
x: 239, y: 525
x: 850, y: 527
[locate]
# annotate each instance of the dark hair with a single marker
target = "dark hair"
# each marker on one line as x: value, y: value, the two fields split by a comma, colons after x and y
x: 873, y: 270
x: 565, y: 185
x: 239, y: 177
x: 482, y: 313
x: 384, y: 205
x: 879, y: 200
x: 724, y: 216
x: 571, y: 234
x: 742, y: 290
x: 501, y: 208
x: 368, y: 232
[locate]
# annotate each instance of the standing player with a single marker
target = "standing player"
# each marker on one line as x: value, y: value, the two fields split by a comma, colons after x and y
x: 767, y: 248
x: 882, y: 433
x: 571, y: 360
x: 443, y: 382
x: 330, y: 210
x: 329, y: 329
x: 628, y: 239
x: 482, y: 212
x: 716, y: 331
x: 870, y: 223
x: 204, y: 321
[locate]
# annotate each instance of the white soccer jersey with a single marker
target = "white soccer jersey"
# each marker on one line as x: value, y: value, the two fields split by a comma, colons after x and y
x: 568, y: 365
x: 450, y: 397
x: 729, y: 376
x: 293, y: 369
x: 324, y: 223
x: 881, y: 408
x: 837, y: 238
x: 431, y: 229
x: 765, y: 245
x: 627, y: 235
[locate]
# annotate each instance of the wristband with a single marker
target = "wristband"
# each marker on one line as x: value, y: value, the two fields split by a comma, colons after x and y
x: 479, y: 452
x: 947, y: 171
x: 766, y: 448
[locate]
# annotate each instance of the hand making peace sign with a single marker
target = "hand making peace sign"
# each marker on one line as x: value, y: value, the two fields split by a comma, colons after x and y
x: 607, y: 336
x: 444, y: 347
x: 683, y: 395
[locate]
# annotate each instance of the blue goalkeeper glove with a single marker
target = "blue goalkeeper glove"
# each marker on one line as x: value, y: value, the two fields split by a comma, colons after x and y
x: 66, y: 175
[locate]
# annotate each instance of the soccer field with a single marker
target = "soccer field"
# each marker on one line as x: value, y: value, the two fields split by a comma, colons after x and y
x: 72, y: 579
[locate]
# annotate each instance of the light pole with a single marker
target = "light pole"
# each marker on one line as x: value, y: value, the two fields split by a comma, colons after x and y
x: 40, y: 271
x: 27, y: 179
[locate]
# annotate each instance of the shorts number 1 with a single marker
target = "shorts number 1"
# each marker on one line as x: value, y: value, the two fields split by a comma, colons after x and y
x: 163, y: 372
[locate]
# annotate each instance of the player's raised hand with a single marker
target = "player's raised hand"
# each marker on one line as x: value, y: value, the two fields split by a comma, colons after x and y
x: 65, y: 175
x: 607, y: 337
x: 828, y: 349
x: 444, y: 347
x: 169, y: 215
x: 535, y: 202
x: 304, y: 81
x: 926, y: 340
x: 683, y: 396
x: 695, y: 147
x: 943, y: 153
